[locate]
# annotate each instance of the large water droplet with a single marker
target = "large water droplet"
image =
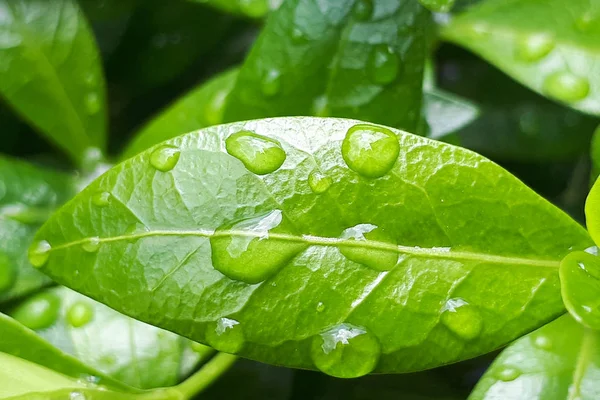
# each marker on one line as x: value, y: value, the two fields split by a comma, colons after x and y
x: 566, y: 86
x: 363, y: 9
x: 165, y: 158
x: 79, y: 314
x: 250, y: 251
x: 271, y: 83
x: 7, y: 273
x: 383, y: 65
x: 440, y: 6
x: 39, y: 311
x: 345, y: 351
x: 462, y: 318
x: 260, y: 154
x: 534, y: 47
x: 370, y: 150
x: 543, y: 342
x: 225, y: 335
x: 38, y: 253
x: 254, y: 8
x: 92, y: 103
x: 382, y: 258
x: 101, y: 199
x: 318, y: 182
x: 508, y: 374
x: 91, y: 245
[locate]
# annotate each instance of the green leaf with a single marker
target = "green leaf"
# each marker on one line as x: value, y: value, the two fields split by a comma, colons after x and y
x: 559, y: 361
x: 459, y: 257
x: 580, y: 287
x: 560, y: 59
x: 592, y: 212
x: 345, y: 58
x: 50, y: 72
x: 249, y: 8
x: 595, y: 154
x: 28, y: 196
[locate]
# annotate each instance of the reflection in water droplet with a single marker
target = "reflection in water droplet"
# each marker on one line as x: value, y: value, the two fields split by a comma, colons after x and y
x: 92, y: 103
x: 246, y: 250
x: 543, y: 342
x: 566, y: 86
x: 259, y: 154
x: 345, y: 351
x: 462, y: 318
x: 7, y: 273
x: 165, y: 158
x: 254, y: 8
x: 79, y: 314
x: 508, y: 374
x: 225, y: 335
x: 363, y: 9
x: 320, y: 306
x: 320, y: 107
x: 380, y: 259
x: 370, y: 150
x: 383, y: 65
x: 38, y: 312
x: 271, y: 83
x: 91, y: 245
x: 101, y: 199
x: 534, y: 47
x: 38, y: 253
x: 318, y: 182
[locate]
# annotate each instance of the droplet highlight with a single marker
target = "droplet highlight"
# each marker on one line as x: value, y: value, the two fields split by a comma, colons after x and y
x: 92, y: 103
x: 508, y: 374
x: 39, y: 252
x: 534, y: 47
x: 320, y: 306
x: 318, y: 182
x: 543, y: 342
x: 165, y: 158
x: 566, y: 86
x: 383, y: 65
x: 7, y: 273
x: 370, y: 150
x: 462, y: 319
x: 271, y: 83
x: 363, y: 10
x: 259, y: 154
x: 101, y: 199
x: 225, y: 335
x: 80, y: 314
x: 91, y: 245
x: 380, y: 255
x: 38, y: 312
x: 345, y: 351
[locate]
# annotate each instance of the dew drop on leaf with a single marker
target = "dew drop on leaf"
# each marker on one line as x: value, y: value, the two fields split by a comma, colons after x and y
x: 101, y: 199
x: 438, y: 5
x: 38, y: 253
x: 382, y: 258
x: 370, y: 150
x: 534, y: 47
x: 259, y: 154
x: 225, y: 335
x: 77, y: 396
x: 92, y: 103
x: 462, y: 318
x: 508, y: 374
x: 318, y: 182
x: 320, y: 306
x: 7, y: 273
x: 566, y: 86
x: 383, y: 64
x: 165, y: 158
x: 38, y: 312
x: 91, y: 245
x: 363, y: 9
x: 79, y: 314
x: 271, y: 83
x: 345, y: 351
x: 543, y: 342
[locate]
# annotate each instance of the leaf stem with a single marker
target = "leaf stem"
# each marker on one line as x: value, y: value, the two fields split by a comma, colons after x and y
x: 206, y: 375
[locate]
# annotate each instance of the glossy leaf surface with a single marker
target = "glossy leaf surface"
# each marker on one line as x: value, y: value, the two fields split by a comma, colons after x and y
x: 28, y: 196
x: 460, y: 229
x: 580, y: 286
x: 592, y: 212
x: 50, y: 72
x: 559, y: 60
x: 595, y: 154
x: 559, y: 361
x: 249, y: 8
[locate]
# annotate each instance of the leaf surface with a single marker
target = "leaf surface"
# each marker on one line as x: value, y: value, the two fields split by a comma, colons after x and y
x: 580, y: 286
x: 404, y: 254
x: 249, y: 8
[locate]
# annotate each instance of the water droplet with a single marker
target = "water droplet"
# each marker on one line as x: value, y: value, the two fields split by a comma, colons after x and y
x: 225, y: 335
x: 101, y: 199
x: 383, y: 64
x: 345, y: 351
x: 165, y: 158
x: 215, y: 109
x: 534, y: 47
x: 320, y: 306
x: 370, y: 150
x: 247, y: 250
x: 543, y: 342
x: 92, y: 103
x: 39, y: 311
x: 79, y: 314
x: 318, y: 182
x: 592, y: 249
x: 254, y: 8
x: 7, y: 273
x: 260, y: 155
x: 38, y: 253
x: 462, y: 318
x: 438, y: 6
x: 271, y: 83
x: 77, y: 396
x: 508, y: 374
x: 91, y: 245
x: 383, y: 258
x: 320, y: 107
x: 363, y: 9
x: 566, y: 86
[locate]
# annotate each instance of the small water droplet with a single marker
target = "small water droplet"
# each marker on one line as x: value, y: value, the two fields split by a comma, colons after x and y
x: 508, y: 374
x: 80, y: 314
x: 7, y: 273
x: 271, y: 83
x: 246, y: 250
x: 566, y: 86
x: 345, y: 351
x: 259, y: 154
x: 89, y: 380
x: 92, y: 103
x: 39, y: 311
x: 534, y: 47
x: 254, y: 8
x: 320, y: 306
x: 593, y: 249
x: 318, y: 182
x: 91, y: 245
x: 225, y: 335
x: 101, y: 199
x: 363, y: 9
x: 543, y: 342
x: 77, y: 396
x: 165, y: 158
x: 438, y: 6
x: 383, y: 65
x: 216, y: 107
x: 462, y: 318
x: 370, y: 150
x: 38, y: 253
x: 380, y: 259
x: 320, y: 107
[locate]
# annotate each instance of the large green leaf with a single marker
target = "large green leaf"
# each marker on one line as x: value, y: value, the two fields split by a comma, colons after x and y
x: 50, y: 72
x: 251, y: 237
x: 345, y: 58
x: 28, y: 196
x: 580, y: 286
x: 249, y: 8
x: 560, y: 59
x: 557, y: 362
x: 595, y: 154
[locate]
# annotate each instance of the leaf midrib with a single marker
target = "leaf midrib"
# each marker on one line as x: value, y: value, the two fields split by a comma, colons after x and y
x: 311, y: 240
